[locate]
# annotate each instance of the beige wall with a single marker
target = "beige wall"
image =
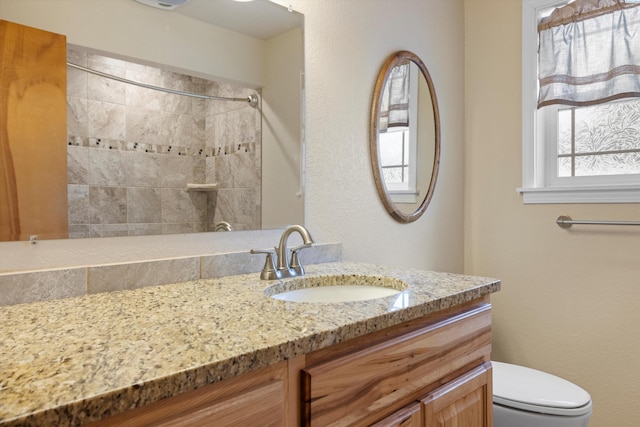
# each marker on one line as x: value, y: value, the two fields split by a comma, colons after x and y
x: 346, y: 44
x: 569, y: 301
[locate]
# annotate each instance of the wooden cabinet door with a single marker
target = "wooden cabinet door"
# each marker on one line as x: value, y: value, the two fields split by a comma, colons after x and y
x: 463, y: 402
x: 33, y: 133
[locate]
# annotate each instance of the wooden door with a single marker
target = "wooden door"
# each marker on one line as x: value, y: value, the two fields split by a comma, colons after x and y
x: 33, y: 133
x: 463, y: 402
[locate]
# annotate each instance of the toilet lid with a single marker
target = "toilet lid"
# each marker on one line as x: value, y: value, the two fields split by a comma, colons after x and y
x: 524, y: 388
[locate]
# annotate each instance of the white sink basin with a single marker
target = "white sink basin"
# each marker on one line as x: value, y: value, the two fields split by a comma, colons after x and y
x: 336, y: 288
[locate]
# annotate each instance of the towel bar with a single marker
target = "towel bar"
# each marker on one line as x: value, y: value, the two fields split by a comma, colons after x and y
x: 565, y: 221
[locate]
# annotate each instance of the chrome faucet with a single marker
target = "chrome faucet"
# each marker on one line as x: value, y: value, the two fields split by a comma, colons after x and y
x: 292, y: 268
x: 285, y: 267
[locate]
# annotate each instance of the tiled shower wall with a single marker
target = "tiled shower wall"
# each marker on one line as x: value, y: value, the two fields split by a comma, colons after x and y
x: 132, y: 151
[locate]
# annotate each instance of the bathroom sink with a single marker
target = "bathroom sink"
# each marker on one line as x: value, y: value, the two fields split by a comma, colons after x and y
x: 336, y: 288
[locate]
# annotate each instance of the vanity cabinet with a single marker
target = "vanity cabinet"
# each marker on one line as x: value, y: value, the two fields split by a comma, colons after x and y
x: 431, y: 371
x: 425, y: 372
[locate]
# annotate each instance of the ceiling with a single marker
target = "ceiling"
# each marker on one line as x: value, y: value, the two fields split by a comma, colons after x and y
x: 259, y: 18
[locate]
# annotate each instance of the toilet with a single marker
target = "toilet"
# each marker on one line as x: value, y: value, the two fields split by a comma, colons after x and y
x: 525, y: 397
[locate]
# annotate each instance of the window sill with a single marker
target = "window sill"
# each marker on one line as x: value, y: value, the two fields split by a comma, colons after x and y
x: 400, y: 196
x: 590, y: 194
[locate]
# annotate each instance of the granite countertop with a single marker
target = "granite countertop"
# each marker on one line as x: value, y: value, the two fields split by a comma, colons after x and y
x: 75, y: 360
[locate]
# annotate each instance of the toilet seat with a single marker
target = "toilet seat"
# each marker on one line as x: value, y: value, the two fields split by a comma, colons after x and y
x: 531, y: 390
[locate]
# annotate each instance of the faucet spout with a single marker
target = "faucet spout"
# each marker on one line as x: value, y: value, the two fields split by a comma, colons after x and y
x: 282, y: 252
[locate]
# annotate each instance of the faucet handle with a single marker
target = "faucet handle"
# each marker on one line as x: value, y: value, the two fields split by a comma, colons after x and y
x: 269, y: 271
x: 294, y: 264
x: 297, y: 248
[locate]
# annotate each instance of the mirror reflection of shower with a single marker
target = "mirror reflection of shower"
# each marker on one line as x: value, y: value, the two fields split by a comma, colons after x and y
x: 142, y: 161
x: 264, y: 54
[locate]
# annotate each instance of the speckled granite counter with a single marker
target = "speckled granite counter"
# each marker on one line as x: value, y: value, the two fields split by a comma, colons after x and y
x: 71, y: 361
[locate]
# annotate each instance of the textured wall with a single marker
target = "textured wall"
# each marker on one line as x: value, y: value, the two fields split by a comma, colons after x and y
x: 346, y: 44
x: 569, y: 300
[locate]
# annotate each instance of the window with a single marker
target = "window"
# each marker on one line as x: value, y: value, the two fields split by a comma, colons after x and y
x: 394, y: 158
x: 576, y: 153
x: 398, y: 142
x: 599, y: 140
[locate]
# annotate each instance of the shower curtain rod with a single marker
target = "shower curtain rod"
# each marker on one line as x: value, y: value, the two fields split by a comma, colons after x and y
x: 564, y: 221
x: 251, y: 99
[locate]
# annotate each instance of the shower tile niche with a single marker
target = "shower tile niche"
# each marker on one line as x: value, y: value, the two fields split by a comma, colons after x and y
x: 132, y: 151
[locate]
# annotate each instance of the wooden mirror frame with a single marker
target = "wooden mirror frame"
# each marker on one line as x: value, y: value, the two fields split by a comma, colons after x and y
x: 381, y: 81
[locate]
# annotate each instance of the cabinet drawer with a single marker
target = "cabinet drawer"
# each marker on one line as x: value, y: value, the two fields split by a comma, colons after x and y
x: 256, y: 398
x: 371, y: 382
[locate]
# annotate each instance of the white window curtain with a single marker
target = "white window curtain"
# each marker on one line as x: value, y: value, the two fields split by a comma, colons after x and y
x: 394, y: 108
x: 589, y: 53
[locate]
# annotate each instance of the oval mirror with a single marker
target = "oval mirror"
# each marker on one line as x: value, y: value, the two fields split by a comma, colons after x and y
x: 405, y: 136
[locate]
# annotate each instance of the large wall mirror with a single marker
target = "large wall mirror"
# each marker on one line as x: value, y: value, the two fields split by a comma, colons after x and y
x: 405, y: 136
x: 143, y: 162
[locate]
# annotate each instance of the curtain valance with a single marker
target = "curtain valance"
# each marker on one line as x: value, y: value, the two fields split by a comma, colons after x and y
x: 394, y: 108
x: 589, y: 53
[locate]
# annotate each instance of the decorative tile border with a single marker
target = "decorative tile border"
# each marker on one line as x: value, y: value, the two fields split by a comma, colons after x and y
x: 116, y: 145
